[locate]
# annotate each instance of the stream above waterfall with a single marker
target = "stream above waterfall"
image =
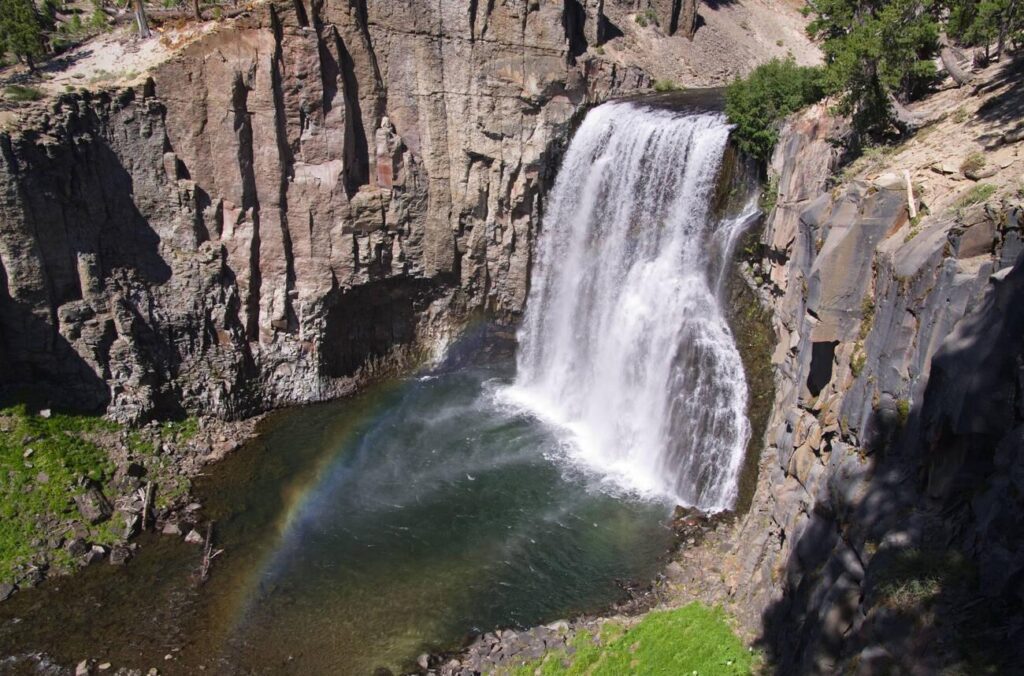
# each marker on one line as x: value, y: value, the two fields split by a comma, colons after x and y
x: 493, y: 490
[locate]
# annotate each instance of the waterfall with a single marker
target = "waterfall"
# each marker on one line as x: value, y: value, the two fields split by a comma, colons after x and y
x: 624, y: 342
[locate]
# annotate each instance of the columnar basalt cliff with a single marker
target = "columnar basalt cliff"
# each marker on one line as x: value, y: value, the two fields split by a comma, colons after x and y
x: 287, y: 200
x: 884, y: 535
x: 303, y: 194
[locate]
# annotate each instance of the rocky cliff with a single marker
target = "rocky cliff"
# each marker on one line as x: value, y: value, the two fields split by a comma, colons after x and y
x: 286, y: 201
x: 885, y: 531
x: 299, y: 196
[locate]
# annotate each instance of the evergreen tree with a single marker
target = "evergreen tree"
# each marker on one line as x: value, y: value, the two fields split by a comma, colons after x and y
x: 984, y: 23
x: 877, y: 52
x: 21, y: 30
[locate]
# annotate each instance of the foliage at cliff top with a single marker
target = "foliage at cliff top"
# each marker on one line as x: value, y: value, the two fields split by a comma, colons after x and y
x: 758, y: 103
x: 688, y: 640
x: 21, y: 30
x: 874, y: 49
x: 880, y: 54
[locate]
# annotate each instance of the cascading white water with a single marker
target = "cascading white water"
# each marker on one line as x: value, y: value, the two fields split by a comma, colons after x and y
x: 624, y: 342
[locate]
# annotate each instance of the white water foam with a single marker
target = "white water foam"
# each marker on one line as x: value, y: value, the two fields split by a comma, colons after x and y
x: 624, y: 345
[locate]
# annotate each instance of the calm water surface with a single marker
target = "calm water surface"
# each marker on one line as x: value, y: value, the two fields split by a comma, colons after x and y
x: 359, y: 534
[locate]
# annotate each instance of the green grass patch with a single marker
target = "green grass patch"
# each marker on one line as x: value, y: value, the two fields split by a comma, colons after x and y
x: 146, y: 441
x: 665, y: 86
x: 37, y: 488
x: 976, y: 195
x: 692, y: 639
x: 22, y: 93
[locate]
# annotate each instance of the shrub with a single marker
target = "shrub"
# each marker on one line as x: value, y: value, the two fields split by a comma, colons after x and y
x: 976, y: 195
x: 665, y: 86
x: 647, y: 17
x: 903, y: 411
x: 98, y: 19
x: 769, y: 194
x: 973, y: 162
x: 22, y: 93
x: 758, y: 103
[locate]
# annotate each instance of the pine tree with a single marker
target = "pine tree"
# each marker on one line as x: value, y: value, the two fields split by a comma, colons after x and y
x: 21, y: 30
x: 986, y: 23
x: 877, y: 53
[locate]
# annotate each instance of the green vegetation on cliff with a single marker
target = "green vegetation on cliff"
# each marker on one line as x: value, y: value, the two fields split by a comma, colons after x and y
x: 758, y: 103
x: 693, y: 639
x: 21, y: 30
x: 879, y: 55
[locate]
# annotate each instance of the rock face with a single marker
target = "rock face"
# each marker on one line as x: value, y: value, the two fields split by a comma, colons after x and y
x: 320, y: 190
x: 890, y: 488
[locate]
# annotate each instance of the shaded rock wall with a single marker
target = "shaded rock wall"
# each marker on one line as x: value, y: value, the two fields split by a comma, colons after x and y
x: 890, y: 488
x: 316, y: 187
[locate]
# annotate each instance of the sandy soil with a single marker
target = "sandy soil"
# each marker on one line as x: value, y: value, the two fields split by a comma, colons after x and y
x: 732, y: 38
x: 118, y: 58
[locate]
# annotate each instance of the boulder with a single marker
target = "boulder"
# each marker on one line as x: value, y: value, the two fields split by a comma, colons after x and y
x: 984, y: 172
x: 120, y: 556
x: 93, y: 506
x: 77, y: 546
x: 946, y: 168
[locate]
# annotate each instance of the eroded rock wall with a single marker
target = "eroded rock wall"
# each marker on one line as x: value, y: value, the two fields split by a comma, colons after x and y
x: 885, y: 531
x: 316, y: 188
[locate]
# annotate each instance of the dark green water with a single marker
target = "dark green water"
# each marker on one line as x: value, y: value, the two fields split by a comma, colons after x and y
x: 359, y: 534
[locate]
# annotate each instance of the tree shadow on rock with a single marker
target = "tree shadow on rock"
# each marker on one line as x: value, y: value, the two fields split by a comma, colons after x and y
x: 910, y: 556
x: 1008, y: 106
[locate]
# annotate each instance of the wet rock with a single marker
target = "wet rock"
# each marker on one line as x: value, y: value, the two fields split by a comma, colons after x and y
x: 6, y: 589
x: 120, y: 556
x: 423, y: 661
x: 558, y: 626
x: 83, y: 668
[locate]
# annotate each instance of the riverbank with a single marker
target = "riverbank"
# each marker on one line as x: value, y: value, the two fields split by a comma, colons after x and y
x: 80, y: 489
x: 699, y: 634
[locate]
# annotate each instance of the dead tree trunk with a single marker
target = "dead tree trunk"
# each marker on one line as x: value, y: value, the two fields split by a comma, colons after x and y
x: 209, y: 554
x: 1004, y: 28
x: 951, y: 63
x: 147, y: 503
x: 140, y: 19
x: 907, y: 121
x: 195, y: 10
